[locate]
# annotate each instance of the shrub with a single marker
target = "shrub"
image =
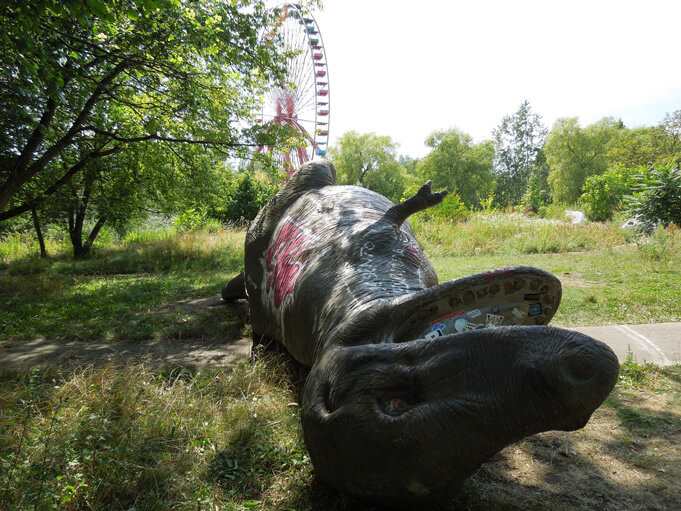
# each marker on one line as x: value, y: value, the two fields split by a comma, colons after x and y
x: 243, y: 202
x: 604, y: 193
x: 536, y: 195
x: 657, y: 197
x: 189, y: 220
x: 451, y: 209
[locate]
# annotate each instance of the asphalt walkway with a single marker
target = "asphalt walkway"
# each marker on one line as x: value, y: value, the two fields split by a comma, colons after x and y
x: 659, y: 343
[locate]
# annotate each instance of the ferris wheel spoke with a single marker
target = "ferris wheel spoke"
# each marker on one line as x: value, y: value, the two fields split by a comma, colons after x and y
x: 303, y: 106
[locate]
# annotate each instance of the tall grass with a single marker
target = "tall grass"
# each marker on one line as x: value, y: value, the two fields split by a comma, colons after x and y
x: 139, y: 251
x: 514, y: 234
x: 132, y: 437
x: 17, y: 246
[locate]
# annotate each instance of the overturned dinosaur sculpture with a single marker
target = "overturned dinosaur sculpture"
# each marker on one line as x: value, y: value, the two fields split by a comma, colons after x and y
x: 413, y: 385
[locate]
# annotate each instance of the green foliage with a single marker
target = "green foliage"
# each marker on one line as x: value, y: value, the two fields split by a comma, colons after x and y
x: 657, y: 197
x: 661, y: 244
x: 190, y: 219
x: 538, y: 193
x: 671, y: 142
x: 458, y: 165
x: 604, y: 193
x: 518, y: 142
x: 370, y: 161
x: 637, y: 147
x: 634, y: 375
x: 575, y: 153
x: 242, y: 201
x: 487, y: 205
x: 553, y: 211
x: 451, y: 209
x: 83, y: 81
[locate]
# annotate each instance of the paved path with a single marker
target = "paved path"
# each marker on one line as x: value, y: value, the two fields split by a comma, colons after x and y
x: 659, y: 343
x: 190, y: 353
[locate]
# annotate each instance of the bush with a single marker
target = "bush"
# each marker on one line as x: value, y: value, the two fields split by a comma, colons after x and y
x: 243, y: 202
x: 657, y: 197
x: 189, y: 220
x: 451, y: 209
x: 604, y: 193
x: 537, y: 193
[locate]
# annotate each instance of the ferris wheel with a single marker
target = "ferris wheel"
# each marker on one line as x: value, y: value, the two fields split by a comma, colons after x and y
x: 303, y: 106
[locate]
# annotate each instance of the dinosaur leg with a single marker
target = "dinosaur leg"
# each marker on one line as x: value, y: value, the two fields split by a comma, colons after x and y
x: 235, y: 288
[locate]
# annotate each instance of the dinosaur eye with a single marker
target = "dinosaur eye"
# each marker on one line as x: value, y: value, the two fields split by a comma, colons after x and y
x: 398, y: 405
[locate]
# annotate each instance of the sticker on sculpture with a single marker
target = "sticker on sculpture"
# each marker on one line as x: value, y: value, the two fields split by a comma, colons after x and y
x: 535, y: 309
x: 493, y: 320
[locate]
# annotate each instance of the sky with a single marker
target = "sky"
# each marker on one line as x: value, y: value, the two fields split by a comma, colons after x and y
x: 408, y: 68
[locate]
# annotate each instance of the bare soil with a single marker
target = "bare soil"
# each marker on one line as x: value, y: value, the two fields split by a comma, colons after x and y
x: 628, y: 458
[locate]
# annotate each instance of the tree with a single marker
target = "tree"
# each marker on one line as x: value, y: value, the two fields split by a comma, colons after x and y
x: 82, y: 81
x: 575, y: 153
x: 458, y: 165
x: 370, y: 161
x: 605, y: 193
x: 518, y: 142
x: 117, y: 190
x: 671, y: 147
x: 657, y: 197
x: 241, y: 201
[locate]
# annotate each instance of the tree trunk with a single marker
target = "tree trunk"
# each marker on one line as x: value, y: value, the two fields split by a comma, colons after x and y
x: 76, y: 234
x: 77, y: 217
x: 39, y: 233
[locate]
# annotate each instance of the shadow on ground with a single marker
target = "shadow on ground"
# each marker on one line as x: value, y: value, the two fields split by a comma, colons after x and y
x: 186, y: 352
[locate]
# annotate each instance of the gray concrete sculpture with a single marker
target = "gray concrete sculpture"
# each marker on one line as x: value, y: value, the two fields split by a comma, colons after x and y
x: 412, y: 384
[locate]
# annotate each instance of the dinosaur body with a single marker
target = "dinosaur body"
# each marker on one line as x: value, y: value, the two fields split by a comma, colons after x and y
x: 413, y: 384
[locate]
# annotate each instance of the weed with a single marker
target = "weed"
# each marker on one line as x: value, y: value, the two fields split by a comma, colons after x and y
x: 633, y: 374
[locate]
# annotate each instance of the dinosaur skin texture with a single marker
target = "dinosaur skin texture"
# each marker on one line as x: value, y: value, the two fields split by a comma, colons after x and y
x: 413, y: 384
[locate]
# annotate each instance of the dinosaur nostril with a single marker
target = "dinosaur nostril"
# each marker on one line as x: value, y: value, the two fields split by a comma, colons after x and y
x: 591, y: 364
x: 578, y: 370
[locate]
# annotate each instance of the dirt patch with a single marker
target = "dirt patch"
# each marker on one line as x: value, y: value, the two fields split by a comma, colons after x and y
x: 26, y: 353
x: 186, y: 353
x: 576, y: 280
x: 197, y: 305
x: 627, y: 458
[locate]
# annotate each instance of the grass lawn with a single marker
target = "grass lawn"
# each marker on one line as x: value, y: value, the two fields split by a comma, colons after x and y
x: 152, y: 437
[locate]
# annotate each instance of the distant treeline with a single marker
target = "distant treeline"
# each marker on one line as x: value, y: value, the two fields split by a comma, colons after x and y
x: 113, y: 112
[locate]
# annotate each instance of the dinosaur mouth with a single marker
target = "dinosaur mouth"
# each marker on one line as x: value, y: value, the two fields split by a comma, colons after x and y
x: 377, y: 417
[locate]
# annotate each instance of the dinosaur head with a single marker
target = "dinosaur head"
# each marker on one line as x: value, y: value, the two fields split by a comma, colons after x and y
x: 406, y: 423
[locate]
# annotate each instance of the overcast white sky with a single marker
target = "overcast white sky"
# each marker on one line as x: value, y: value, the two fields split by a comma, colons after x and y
x: 408, y: 68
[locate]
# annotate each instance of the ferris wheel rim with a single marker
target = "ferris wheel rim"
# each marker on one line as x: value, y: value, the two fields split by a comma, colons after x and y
x: 315, y: 56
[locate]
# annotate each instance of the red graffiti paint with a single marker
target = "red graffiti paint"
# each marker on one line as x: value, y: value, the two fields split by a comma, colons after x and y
x: 411, y: 246
x: 448, y: 316
x: 285, y: 260
x: 496, y: 273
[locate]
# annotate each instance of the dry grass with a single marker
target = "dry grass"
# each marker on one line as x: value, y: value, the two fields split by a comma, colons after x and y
x: 124, y: 437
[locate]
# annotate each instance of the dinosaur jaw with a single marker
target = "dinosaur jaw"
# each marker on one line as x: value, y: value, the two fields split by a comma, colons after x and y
x: 407, y: 423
